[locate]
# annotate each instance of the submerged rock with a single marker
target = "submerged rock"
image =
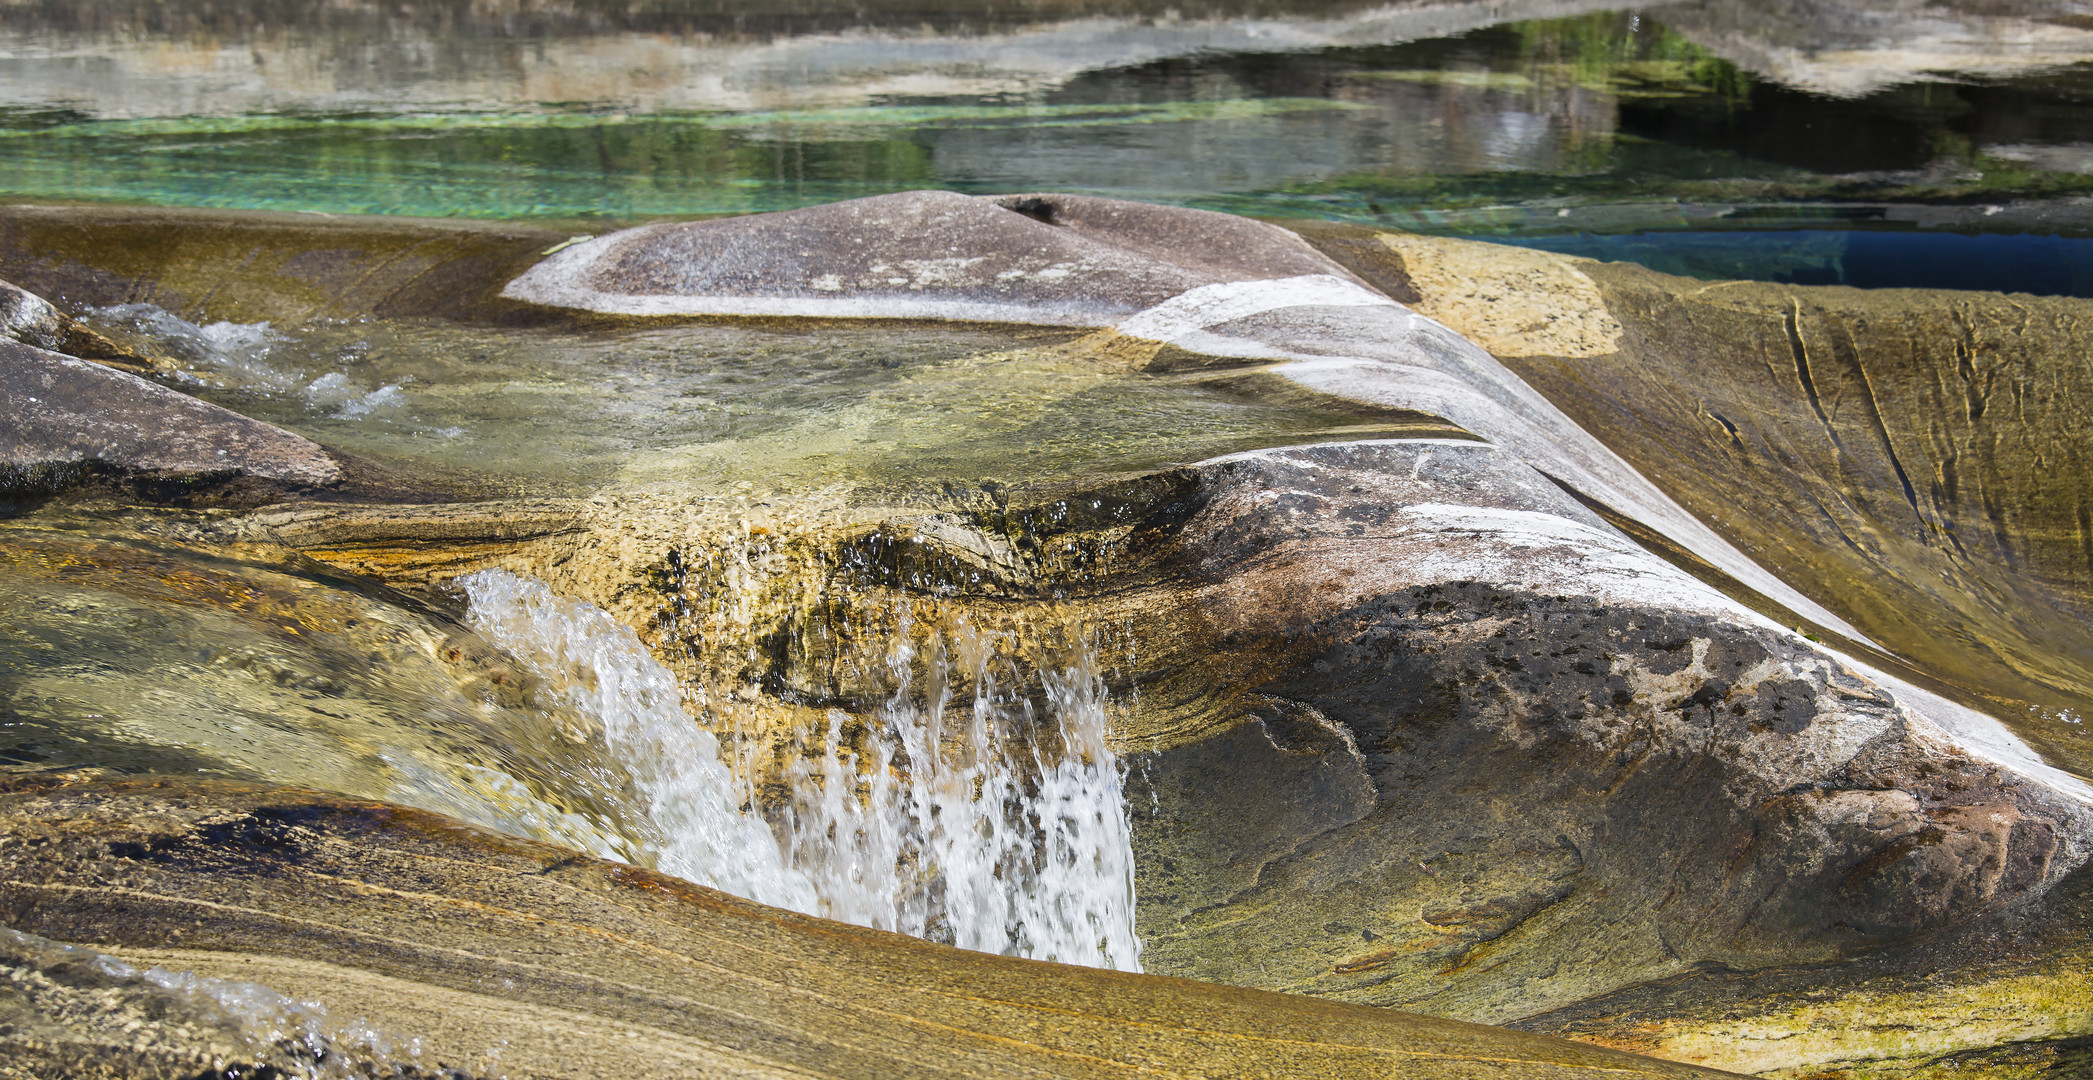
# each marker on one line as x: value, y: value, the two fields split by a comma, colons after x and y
x: 372, y: 928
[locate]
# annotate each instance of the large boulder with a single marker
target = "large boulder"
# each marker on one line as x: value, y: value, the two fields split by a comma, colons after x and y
x: 1486, y: 721
x: 1910, y: 459
x: 1423, y: 724
x: 1059, y: 260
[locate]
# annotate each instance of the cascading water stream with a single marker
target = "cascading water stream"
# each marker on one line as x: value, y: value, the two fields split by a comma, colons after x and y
x: 1007, y: 834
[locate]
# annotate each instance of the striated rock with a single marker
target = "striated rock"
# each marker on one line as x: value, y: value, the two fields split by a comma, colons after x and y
x: 1909, y: 458
x: 510, y: 958
x: 1427, y: 728
x: 67, y: 416
x: 253, y: 267
x: 1410, y: 726
x: 1172, y: 282
x: 1420, y: 721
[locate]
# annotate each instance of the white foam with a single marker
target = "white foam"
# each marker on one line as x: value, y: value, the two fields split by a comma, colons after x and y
x: 1010, y: 836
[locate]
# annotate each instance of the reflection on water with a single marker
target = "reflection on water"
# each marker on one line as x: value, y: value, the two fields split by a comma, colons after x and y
x: 1399, y: 113
x: 1863, y: 258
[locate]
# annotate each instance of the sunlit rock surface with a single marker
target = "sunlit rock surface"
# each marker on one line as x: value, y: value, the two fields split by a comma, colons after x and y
x: 503, y: 957
x: 1419, y: 717
x: 1055, y: 260
x: 1910, y: 458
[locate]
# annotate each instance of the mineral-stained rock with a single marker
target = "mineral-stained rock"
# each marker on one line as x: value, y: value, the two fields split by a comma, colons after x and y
x: 1413, y: 722
x: 1413, y: 726
x: 501, y: 957
x: 254, y: 267
x: 65, y: 417
x: 1190, y: 287
x: 1524, y: 760
x: 1912, y: 459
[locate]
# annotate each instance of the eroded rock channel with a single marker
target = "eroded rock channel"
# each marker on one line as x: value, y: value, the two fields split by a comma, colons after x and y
x: 1188, y: 605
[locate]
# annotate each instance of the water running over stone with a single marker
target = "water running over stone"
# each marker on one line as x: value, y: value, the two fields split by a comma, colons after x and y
x: 963, y: 809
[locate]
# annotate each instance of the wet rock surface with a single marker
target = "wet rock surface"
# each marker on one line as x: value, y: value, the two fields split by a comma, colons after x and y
x: 261, y: 266
x: 68, y: 418
x: 1413, y: 722
x: 506, y: 957
x: 1519, y: 766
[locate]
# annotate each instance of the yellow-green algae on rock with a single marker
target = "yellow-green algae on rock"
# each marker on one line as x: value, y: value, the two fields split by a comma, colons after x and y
x: 506, y: 957
x: 1915, y: 461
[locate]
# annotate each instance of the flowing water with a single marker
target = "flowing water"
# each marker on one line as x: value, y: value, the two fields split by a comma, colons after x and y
x: 705, y: 408
x: 1547, y: 119
x: 965, y: 788
x: 970, y: 795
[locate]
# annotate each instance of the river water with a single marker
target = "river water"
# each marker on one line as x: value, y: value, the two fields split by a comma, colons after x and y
x: 976, y: 798
x: 1572, y: 123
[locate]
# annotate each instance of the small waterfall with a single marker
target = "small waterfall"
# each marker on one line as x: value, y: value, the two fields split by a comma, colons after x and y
x: 687, y: 820
x: 1007, y: 833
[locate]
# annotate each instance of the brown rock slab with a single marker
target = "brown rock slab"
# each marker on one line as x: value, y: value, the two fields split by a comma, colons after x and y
x: 63, y: 413
x: 505, y: 957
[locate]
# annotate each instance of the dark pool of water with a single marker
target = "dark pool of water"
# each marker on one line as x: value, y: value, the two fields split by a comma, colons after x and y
x: 2044, y: 265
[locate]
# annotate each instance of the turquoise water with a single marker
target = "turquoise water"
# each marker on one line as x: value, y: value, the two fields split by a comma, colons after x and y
x: 1610, y: 122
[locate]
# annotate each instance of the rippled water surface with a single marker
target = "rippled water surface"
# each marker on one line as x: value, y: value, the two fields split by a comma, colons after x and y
x: 1570, y: 116
x: 708, y: 407
x: 974, y: 798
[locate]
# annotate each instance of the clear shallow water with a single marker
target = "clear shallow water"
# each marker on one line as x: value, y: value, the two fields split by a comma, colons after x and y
x: 1448, y: 119
x: 704, y: 407
x: 966, y: 803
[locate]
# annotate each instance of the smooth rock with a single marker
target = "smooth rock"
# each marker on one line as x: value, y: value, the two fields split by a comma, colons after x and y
x: 1410, y: 724
x: 30, y: 319
x: 1059, y: 260
x: 510, y: 958
x: 1911, y: 459
x: 64, y: 415
x: 1201, y: 283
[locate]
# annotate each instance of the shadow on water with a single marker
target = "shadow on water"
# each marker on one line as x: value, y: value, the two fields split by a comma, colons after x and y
x: 1999, y: 262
